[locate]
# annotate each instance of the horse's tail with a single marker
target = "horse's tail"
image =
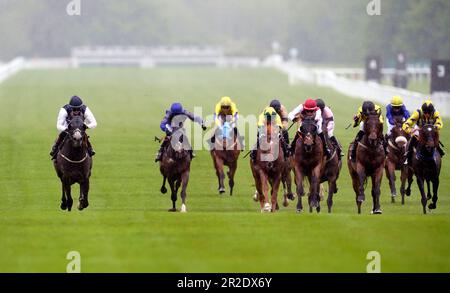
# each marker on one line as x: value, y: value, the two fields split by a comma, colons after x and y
x: 163, y: 187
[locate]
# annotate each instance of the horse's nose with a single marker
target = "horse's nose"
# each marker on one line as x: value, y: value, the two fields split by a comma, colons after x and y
x: 373, y: 136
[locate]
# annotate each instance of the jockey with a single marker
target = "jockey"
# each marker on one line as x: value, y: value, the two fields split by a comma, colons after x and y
x: 309, y: 109
x: 269, y: 115
x: 395, y: 109
x: 282, y: 112
x: 74, y: 108
x: 226, y: 111
x: 176, y: 112
x: 367, y: 108
x: 328, y: 124
x: 427, y: 114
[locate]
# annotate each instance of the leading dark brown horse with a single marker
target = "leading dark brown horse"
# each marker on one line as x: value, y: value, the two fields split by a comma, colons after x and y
x: 175, y: 167
x: 267, y: 167
x: 309, y: 162
x: 370, y: 158
x: 225, y: 152
x: 396, y: 149
x: 74, y: 165
x: 426, y: 163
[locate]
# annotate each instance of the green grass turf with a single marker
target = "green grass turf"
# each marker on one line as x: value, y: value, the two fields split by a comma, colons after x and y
x: 127, y: 227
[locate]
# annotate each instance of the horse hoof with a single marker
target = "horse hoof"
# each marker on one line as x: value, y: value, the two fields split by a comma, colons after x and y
x: 63, y: 206
x: 255, y: 196
x: 172, y: 210
x: 393, y: 199
x: 163, y: 190
x: 377, y: 212
x: 267, y: 208
x: 221, y: 190
x: 310, y: 209
x: 408, y: 192
x: 183, y: 208
x: 299, y: 211
x: 318, y: 210
x: 285, y: 204
x: 291, y: 197
x: 432, y: 206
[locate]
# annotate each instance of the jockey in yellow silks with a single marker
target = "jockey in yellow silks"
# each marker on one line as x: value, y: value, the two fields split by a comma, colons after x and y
x: 427, y: 114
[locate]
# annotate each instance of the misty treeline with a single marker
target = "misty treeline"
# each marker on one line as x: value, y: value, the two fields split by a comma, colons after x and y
x: 325, y: 31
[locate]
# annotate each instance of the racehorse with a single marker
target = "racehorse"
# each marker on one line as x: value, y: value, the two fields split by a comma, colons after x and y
x: 175, y: 167
x: 73, y: 164
x: 309, y: 161
x: 267, y: 167
x: 396, y: 149
x: 330, y: 174
x: 426, y: 163
x: 226, y: 152
x: 370, y: 158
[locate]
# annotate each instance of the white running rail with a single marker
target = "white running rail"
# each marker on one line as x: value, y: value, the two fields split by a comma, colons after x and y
x: 9, y: 69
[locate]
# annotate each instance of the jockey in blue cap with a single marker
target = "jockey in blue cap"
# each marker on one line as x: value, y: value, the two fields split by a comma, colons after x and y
x: 74, y: 108
x: 176, y: 110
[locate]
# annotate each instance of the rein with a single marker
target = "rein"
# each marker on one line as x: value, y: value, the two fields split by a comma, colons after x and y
x: 72, y: 161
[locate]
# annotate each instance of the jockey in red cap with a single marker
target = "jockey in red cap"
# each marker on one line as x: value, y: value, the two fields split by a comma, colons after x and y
x: 309, y: 109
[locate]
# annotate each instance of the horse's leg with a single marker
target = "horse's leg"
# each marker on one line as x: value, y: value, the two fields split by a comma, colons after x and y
x: 290, y: 195
x: 390, y: 174
x: 231, y: 173
x: 184, y: 183
x: 315, y: 187
x: 432, y: 205
x: 376, y: 190
x: 63, y: 198
x: 220, y: 174
x: 331, y: 190
x: 284, y: 184
x: 410, y: 181
x: 422, y: 192
x: 300, y: 190
x: 275, y: 187
x: 428, y: 189
x: 264, y: 197
x: 173, y: 196
x: 83, y: 200
x: 403, y: 177
x: 163, y: 186
x: 68, y: 193
x: 361, y: 179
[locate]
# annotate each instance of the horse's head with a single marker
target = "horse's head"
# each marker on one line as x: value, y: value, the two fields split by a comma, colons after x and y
x: 429, y: 137
x: 308, y: 132
x: 76, y: 130
x: 177, y: 150
x: 373, y: 128
x: 399, y: 136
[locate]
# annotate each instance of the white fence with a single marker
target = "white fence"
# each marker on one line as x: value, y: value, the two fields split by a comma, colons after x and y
x: 360, y: 88
x: 9, y: 69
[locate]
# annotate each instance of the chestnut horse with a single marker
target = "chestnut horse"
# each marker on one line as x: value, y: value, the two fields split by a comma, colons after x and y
x: 225, y: 151
x: 267, y: 167
x: 370, y: 158
x: 175, y: 166
x: 426, y: 163
x: 309, y: 161
x: 396, y: 149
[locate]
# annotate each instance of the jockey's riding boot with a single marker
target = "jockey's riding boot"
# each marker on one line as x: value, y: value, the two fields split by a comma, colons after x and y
x: 409, y: 151
x: 90, y: 149
x: 160, y: 151
x: 58, y: 142
x: 326, y: 149
x: 358, y: 138
x: 441, y: 151
x: 253, y: 155
x: 337, y: 145
x: 293, y: 143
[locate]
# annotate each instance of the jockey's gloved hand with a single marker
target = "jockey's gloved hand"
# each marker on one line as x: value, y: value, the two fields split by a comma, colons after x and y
x: 85, y: 126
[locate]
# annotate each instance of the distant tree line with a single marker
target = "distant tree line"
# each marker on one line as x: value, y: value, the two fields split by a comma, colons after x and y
x: 323, y: 31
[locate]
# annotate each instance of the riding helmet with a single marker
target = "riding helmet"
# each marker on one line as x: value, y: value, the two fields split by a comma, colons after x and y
x: 276, y: 105
x: 225, y: 101
x: 397, y: 101
x: 310, y: 105
x: 176, y: 108
x: 75, y: 102
x: 368, y: 107
x: 428, y: 107
x: 320, y: 103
